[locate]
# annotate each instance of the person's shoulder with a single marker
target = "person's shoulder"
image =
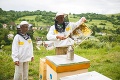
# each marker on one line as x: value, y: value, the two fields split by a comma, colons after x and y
x: 71, y: 22
x: 53, y: 26
x: 16, y: 36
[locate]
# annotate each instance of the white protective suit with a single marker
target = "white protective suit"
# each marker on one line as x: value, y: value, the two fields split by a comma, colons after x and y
x: 63, y: 43
x: 22, y: 50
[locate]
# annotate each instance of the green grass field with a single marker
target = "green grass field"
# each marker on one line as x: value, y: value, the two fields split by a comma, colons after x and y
x: 104, y: 60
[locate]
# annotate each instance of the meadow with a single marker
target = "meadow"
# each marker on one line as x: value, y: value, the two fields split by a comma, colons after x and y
x: 104, y: 56
x: 103, y: 60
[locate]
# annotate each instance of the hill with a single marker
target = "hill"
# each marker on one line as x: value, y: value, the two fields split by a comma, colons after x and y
x: 102, y: 48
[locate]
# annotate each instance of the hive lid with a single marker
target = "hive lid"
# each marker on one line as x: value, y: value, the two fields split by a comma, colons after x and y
x: 61, y: 60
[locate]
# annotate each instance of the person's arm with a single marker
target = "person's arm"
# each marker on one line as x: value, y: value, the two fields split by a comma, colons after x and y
x: 61, y: 37
x: 51, y: 34
x: 15, y: 50
x: 82, y: 20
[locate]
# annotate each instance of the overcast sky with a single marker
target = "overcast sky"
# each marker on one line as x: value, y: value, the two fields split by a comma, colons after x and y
x: 66, y: 6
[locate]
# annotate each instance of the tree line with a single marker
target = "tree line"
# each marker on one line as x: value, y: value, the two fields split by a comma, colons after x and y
x: 47, y: 17
x: 7, y: 17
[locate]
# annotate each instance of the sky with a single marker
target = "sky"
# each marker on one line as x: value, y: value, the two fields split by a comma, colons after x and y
x: 64, y: 6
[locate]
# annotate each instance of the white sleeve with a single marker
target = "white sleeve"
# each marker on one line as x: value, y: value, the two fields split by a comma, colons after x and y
x: 15, y: 49
x: 51, y: 36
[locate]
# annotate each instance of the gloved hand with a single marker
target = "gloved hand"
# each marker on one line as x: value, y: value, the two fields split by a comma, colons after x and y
x: 61, y: 37
x: 83, y: 19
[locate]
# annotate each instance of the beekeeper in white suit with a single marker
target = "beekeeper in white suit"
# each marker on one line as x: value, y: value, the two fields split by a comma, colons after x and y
x: 22, y: 52
x: 60, y: 31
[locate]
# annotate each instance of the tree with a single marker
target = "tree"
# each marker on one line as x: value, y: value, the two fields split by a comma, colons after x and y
x: 118, y: 30
x: 1, y: 25
x: 37, y: 18
x: 4, y: 36
x: 93, y: 29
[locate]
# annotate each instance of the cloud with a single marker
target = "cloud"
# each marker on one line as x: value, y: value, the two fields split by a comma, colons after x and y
x: 67, y: 6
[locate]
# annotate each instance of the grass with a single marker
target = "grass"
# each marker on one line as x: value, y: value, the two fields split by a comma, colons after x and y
x: 106, y: 62
x: 103, y: 60
x: 108, y: 25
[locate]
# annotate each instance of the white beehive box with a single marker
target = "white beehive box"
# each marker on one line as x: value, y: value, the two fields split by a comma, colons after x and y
x: 59, y: 66
x: 42, y: 69
x: 93, y: 75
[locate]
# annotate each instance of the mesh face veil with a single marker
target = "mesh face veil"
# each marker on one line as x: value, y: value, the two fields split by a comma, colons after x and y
x: 61, y: 27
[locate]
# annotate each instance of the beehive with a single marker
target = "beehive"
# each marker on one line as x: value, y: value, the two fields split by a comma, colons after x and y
x: 42, y: 69
x: 93, y: 75
x: 59, y: 66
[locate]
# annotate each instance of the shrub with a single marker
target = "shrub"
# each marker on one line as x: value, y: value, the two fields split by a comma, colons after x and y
x: 7, y: 49
x: 6, y: 66
x: 91, y: 44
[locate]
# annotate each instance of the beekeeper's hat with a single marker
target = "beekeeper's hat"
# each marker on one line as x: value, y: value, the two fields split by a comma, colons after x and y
x: 24, y: 22
x: 58, y: 14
